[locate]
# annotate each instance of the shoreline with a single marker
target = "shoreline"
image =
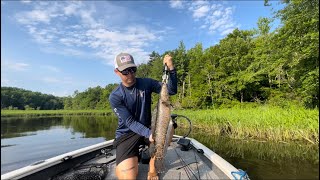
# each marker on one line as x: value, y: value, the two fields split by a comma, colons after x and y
x: 259, y: 123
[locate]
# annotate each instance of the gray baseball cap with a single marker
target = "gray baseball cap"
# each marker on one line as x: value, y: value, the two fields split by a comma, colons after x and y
x: 123, y: 61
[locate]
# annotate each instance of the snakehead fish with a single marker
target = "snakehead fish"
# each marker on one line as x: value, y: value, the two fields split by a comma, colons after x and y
x: 161, y: 125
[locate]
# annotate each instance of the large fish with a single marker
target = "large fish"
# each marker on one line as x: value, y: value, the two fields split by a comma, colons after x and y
x: 161, y: 126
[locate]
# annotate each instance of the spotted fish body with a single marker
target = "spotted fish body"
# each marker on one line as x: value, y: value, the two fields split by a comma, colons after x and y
x: 161, y: 127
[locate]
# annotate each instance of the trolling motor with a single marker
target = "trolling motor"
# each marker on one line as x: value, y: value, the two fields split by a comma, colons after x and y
x: 185, y: 143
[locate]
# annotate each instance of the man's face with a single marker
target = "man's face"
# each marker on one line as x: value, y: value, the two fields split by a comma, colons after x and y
x: 128, y: 76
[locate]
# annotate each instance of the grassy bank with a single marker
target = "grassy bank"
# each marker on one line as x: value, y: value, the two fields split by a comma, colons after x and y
x: 259, y: 123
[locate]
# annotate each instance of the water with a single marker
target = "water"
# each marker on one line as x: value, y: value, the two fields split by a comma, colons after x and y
x: 28, y: 140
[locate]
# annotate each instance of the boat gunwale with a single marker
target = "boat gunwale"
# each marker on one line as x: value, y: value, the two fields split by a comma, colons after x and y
x: 43, y: 164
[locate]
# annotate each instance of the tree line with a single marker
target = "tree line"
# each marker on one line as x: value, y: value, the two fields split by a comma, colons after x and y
x: 13, y: 98
x: 279, y: 67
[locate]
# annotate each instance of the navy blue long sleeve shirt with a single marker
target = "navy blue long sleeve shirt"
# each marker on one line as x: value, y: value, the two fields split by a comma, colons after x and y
x: 133, y: 105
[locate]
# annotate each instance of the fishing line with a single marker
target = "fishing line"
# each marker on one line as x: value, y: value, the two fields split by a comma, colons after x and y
x: 185, y: 165
x: 197, y: 163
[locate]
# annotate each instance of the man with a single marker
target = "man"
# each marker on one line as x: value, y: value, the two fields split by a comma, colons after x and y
x: 131, y: 102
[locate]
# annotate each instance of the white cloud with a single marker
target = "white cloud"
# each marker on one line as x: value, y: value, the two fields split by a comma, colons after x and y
x: 70, y: 27
x: 71, y: 9
x: 216, y: 18
x: 16, y: 66
x: 25, y: 1
x: 34, y: 17
x: 176, y: 4
x: 201, y: 11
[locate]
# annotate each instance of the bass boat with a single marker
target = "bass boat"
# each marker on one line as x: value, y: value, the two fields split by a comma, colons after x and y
x: 186, y: 158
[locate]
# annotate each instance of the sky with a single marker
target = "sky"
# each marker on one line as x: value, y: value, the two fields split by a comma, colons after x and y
x: 58, y: 47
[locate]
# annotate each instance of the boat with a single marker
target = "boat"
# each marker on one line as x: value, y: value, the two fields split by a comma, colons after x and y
x: 186, y: 158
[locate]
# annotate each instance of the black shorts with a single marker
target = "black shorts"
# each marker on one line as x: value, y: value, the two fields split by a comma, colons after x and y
x: 127, y: 146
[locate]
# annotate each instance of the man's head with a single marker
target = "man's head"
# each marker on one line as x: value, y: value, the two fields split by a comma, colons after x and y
x: 124, y: 61
x: 125, y: 68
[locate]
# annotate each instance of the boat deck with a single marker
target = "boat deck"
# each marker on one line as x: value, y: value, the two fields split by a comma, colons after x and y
x: 98, y: 161
x: 178, y: 165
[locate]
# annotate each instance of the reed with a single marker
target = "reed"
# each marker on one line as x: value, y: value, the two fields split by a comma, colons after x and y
x: 264, y: 123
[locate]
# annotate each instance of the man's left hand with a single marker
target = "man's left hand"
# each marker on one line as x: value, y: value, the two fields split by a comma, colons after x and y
x: 168, y: 60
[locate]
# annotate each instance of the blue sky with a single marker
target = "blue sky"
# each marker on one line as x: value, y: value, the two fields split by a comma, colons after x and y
x: 57, y: 47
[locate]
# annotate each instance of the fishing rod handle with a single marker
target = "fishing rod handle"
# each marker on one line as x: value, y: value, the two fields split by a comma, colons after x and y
x: 165, y: 75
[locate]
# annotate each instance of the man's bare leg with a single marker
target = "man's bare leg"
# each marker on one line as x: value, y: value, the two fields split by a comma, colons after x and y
x: 127, y: 169
x: 152, y: 174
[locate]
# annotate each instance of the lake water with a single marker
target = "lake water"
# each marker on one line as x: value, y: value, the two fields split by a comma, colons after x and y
x: 28, y: 140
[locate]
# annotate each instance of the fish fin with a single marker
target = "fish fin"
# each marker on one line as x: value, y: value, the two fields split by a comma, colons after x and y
x: 154, y: 119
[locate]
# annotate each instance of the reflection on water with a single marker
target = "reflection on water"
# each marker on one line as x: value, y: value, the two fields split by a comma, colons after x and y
x: 27, y: 140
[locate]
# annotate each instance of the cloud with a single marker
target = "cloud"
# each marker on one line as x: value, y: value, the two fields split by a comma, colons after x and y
x: 176, y: 4
x: 34, y: 17
x: 15, y: 66
x: 216, y: 18
x: 76, y: 28
x: 26, y: 1
x: 201, y: 11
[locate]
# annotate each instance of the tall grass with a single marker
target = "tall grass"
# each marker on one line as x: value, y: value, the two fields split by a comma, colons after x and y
x: 259, y: 123
x: 265, y: 123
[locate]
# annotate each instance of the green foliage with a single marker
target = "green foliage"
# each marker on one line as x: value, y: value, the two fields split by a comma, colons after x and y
x: 92, y: 98
x: 17, y: 98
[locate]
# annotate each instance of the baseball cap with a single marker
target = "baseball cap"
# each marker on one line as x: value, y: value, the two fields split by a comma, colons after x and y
x: 123, y: 61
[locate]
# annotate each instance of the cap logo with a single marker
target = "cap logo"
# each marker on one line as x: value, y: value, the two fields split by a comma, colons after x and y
x: 124, y: 59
